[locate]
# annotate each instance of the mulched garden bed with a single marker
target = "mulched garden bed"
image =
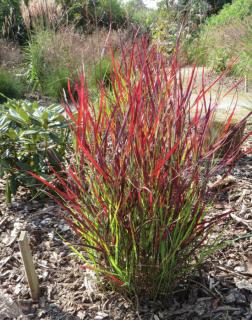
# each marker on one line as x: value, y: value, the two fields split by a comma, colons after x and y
x: 222, y: 291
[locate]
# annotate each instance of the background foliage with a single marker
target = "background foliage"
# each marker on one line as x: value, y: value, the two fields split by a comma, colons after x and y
x: 226, y: 37
x: 10, y: 85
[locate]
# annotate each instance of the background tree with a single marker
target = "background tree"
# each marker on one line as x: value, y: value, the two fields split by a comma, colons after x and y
x: 139, y: 15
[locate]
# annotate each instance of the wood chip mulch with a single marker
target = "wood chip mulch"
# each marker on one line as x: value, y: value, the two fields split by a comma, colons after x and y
x: 223, y: 291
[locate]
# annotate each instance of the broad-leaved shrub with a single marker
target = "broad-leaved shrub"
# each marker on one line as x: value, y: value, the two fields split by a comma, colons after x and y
x: 31, y: 137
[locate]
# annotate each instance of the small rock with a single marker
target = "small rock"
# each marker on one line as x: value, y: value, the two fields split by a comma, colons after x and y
x: 155, y: 317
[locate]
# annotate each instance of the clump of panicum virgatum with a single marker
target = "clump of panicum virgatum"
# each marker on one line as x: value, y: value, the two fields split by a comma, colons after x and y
x: 136, y: 192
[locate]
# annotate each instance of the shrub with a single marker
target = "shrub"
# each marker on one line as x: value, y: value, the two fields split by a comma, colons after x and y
x: 225, y: 37
x: 139, y: 15
x: 30, y: 136
x: 165, y: 30
x: 10, y: 86
x: 136, y: 193
x: 170, y: 19
x: 218, y: 45
x: 88, y: 15
x: 219, y: 60
x: 106, y: 13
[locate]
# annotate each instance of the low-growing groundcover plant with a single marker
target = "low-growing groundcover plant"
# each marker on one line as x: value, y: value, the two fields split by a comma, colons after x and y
x: 136, y: 192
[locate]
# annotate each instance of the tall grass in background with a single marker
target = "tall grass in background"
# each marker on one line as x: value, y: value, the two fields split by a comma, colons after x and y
x: 135, y: 191
x: 41, y: 14
x: 48, y: 59
x: 54, y: 57
x: 44, y: 69
x: 56, y: 50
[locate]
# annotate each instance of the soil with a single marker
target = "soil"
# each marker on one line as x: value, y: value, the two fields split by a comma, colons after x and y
x: 222, y: 290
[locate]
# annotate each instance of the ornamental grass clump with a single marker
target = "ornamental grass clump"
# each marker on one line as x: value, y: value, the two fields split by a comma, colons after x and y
x: 136, y: 190
x: 41, y: 14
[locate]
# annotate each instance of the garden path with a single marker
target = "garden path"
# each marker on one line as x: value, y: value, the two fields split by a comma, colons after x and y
x: 242, y: 99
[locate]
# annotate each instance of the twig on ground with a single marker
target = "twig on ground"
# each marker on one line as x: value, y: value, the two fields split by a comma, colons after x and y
x: 242, y: 221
